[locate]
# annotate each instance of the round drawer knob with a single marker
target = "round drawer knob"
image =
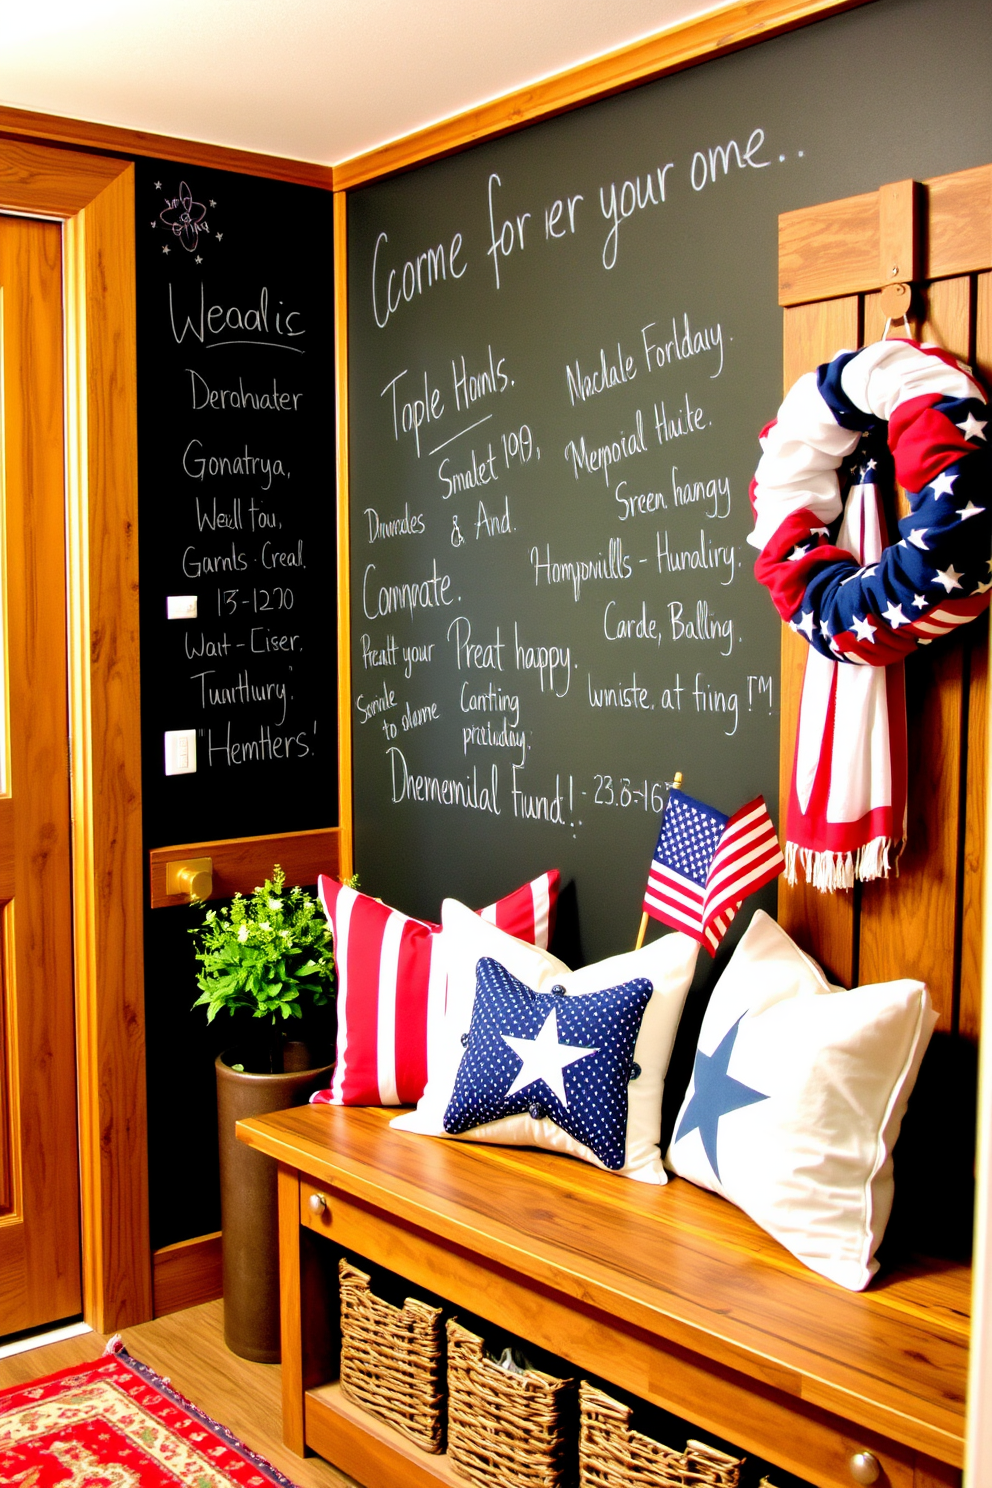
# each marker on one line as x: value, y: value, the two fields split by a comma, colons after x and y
x: 318, y: 1204
x: 865, y: 1468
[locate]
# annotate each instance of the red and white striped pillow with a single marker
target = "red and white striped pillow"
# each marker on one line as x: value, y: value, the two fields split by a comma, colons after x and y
x: 392, y: 987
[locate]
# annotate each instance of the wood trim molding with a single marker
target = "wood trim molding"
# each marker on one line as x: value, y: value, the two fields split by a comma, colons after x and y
x: 94, y: 197
x: 241, y: 863
x: 24, y: 124
x: 188, y: 1273
x: 714, y: 35
x: 345, y: 801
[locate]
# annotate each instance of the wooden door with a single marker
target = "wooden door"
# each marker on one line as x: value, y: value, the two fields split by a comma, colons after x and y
x: 39, y: 1166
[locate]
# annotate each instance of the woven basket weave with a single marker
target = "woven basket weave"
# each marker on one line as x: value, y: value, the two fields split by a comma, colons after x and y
x: 504, y: 1430
x: 392, y: 1359
x: 611, y: 1455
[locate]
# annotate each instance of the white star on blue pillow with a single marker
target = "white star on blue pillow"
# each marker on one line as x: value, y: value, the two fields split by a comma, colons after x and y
x: 567, y: 1058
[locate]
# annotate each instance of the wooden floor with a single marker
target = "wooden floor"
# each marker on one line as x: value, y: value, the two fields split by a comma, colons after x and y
x: 188, y: 1349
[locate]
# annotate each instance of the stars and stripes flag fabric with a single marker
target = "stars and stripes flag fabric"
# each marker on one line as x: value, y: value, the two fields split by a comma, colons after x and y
x: 706, y: 864
x: 896, y: 408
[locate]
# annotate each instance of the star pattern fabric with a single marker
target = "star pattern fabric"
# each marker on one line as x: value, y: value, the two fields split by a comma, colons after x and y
x: 715, y: 1094
x: 940, y: 453
x: 566, y: 1058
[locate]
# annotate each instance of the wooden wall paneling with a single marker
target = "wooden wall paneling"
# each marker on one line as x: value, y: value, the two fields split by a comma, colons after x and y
x: 911, y: 926
x: 948, y: 315
x: 830, y: 249
x: 853, y: 245
x: 726, y: 30
x: 187, y: 1274
x: 907, y: 925
x: 821, y: 923
x: 241, y: 863
x: 959, y: 239
x: 27, y: 125
x: 983, y: 328
x: 976, y: 789
x: 345, y: 803
x: 106, y: 745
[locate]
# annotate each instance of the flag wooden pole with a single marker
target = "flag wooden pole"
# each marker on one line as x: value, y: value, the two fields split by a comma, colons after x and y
x: 676, y: 785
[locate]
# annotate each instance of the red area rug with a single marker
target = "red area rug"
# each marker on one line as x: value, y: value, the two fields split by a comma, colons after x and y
x: 117, y: 1424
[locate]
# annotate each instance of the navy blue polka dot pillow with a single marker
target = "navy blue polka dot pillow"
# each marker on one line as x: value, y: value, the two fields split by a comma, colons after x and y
x: 548, y: 1057
x: 537, y: 1055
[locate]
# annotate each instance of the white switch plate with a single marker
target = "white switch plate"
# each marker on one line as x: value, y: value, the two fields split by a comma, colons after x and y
x: 180, y: 752
x: 181, y: 606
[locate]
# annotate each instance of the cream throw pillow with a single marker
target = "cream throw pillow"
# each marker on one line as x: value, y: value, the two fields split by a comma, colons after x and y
x: 796, y: 1099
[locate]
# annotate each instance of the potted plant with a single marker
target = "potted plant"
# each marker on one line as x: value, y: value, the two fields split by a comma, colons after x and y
x: 266, y: 962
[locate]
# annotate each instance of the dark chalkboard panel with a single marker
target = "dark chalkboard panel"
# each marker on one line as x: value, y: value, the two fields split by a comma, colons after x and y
x: 237, y: 506
x: 236, y: 467
x: 562, y: 347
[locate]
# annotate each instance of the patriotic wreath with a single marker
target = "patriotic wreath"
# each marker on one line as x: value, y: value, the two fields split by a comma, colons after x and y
x: 834, y: 578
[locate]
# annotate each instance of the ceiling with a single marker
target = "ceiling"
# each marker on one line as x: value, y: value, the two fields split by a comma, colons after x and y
x: 315, y: 80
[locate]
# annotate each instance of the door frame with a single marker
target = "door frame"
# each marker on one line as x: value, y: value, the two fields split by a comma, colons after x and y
x: 93, y: 197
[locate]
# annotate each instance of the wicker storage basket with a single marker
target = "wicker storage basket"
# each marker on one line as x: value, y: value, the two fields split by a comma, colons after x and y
x: 504, y: 1430
x: 392, y: 1359
x: 611, y: 1455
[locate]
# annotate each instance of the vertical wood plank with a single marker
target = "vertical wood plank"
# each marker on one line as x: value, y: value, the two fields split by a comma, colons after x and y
x: 948, y: 320
x: 822, y: 924
x: 983, y: 328
x: 899, y: 207
x: 976, y: 785
x: 975, y: 826
x: 909, y: 925
x: 346, y: 860
x: 102, y: 544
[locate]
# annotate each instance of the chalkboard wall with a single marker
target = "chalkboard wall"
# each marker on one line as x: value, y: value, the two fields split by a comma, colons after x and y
x: 236, y: 509
x: 562, y: 347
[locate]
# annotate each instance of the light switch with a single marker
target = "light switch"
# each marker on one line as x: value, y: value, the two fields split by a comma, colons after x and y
x: 181, y: 606
x: 180, y: 752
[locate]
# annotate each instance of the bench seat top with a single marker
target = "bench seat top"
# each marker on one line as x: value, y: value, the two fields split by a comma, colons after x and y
x: 676, y: 1261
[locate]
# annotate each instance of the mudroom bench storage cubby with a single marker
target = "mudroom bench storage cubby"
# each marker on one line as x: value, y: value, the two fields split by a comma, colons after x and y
x: 669, y: 1293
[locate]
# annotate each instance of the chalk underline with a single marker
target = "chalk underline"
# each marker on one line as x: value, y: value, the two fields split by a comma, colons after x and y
x: 275, y: 345
x: 455, y: 436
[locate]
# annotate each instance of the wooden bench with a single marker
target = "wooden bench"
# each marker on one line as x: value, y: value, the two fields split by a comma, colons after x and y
x: 669, y: 1293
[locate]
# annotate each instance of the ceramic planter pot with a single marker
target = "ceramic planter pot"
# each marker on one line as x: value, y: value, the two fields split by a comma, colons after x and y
x: 249, y: 1221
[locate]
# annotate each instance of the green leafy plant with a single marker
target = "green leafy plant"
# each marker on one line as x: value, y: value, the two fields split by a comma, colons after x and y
x: 268, y: 956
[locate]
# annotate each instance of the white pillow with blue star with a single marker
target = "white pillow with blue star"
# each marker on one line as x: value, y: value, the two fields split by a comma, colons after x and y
x: 533, y: 1057
x: 592, y: 1064
x: 797, y: 1095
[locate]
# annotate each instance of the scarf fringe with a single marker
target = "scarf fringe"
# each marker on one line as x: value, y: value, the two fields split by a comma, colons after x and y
x: 829, y: 871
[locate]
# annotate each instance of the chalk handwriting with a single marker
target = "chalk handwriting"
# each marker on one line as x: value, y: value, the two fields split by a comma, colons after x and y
x: 415, y: 277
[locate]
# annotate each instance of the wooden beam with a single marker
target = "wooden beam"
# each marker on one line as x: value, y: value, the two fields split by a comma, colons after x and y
x: 241, y: 863
x: 714, y: 35
x: 345, y: 802
x: 105, y: 712
x: 25, y: 124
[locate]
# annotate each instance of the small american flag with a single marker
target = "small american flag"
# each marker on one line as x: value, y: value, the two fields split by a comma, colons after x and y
x: 706, y: 864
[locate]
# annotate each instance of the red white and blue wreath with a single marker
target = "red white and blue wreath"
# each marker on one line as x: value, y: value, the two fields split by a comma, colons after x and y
x: 861, y: 603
